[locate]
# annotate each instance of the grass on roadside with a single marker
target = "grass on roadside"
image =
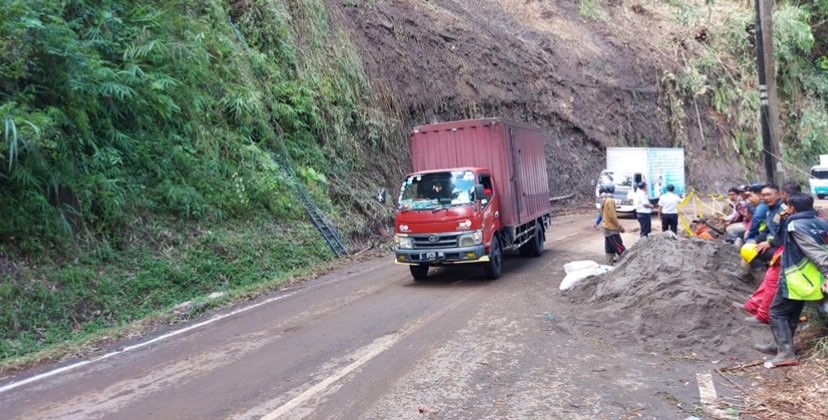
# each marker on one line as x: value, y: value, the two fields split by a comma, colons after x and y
x: 49, y: 309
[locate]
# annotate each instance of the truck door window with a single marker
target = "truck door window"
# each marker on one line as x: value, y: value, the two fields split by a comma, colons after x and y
x: 488, y: 189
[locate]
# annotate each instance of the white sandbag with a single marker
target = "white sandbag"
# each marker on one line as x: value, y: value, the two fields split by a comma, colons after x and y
x: 574, y: 266
x: 574, y: 277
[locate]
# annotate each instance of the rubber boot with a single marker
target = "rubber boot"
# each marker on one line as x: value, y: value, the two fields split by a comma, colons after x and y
x: 744, y: 272
x: 745, y: 266
x: 757, y: 271
x: 783, y: 335
x: 770, y: 347
x: 767, y: 348
x: 610, y: 259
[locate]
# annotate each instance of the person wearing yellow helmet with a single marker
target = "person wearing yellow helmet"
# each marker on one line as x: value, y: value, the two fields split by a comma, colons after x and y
x: 758, y: 306
x: 749, y: 252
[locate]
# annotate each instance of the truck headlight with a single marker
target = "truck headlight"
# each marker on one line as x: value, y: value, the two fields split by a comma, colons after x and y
x: 404, y: 242
x: 471, y: 239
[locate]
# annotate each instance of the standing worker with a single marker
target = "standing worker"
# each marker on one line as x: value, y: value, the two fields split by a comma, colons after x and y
x: 804, y: 267
x: 668, y: 209
x: 643, y: 209
x: 611, y: 227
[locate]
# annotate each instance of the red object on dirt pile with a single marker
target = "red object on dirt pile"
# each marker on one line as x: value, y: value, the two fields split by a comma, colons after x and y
x: 759, y: 304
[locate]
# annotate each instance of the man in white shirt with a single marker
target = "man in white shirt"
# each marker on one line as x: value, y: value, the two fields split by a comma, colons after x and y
x: 643, y: 208
x: 668, y: 209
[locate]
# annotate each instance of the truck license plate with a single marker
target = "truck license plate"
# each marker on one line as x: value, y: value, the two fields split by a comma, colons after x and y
x: 428, y: 256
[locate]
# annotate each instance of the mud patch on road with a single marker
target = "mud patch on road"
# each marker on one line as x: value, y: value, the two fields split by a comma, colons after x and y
x: 671, y: 295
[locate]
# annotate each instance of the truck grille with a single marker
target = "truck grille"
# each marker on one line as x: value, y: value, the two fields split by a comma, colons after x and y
x: 435, y: 241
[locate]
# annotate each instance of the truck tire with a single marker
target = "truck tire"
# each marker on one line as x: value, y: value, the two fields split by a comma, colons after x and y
x: 821, y: 196
x: 495, y: 264
x: 533, y: 248
x: 419, y: 271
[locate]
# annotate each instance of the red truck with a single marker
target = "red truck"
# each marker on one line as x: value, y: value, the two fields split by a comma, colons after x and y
x: 479, y: 188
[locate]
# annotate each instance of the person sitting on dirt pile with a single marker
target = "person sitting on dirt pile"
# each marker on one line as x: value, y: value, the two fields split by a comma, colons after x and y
x: 804, y: 267
x: 758, y: 306
x: 752, y: 201
x: 735, y: 221
x: 760, y: 212
x: 611, y: 227
x: 757, y: 211
x: 774, y: 196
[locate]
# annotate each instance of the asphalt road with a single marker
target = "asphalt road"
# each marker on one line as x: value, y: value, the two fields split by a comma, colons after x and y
x: 368, y: 342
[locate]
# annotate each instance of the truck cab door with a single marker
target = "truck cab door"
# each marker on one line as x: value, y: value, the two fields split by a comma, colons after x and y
x: 489, y: 218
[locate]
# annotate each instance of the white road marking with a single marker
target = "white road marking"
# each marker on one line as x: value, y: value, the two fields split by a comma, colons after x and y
x: 374, y: 349
x: 51, y: 373
x: 13, y: 385
x: 363, y: 356
x: 707, y: 394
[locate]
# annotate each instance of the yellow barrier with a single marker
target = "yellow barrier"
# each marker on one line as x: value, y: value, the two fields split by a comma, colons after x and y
x: 698, y: 208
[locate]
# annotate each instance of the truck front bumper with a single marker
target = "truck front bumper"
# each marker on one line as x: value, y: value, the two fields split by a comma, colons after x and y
x: 440, y: 256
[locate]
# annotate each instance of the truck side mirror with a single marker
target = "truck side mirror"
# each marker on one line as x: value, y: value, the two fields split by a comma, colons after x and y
x: 479, y: 192
x: 381, y: 194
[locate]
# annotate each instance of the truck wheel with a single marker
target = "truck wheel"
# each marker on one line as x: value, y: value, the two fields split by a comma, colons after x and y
x: 495, y: 264
x: 821, y: 196
x: 533, y: 248
x: 419, y: 272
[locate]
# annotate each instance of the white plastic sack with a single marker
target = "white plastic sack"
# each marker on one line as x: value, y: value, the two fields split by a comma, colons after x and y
x: 574, y: 266
x: 580, y: 270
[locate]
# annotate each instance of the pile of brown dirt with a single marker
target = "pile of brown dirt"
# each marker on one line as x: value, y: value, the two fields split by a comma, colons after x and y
x: 670, y: 295
x: 588, y: 82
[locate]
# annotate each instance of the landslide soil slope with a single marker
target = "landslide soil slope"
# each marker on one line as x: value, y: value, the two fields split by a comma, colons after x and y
x: 589, y: 82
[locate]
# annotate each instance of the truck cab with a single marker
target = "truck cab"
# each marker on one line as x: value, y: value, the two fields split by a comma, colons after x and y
x: 625, y: 186
x: 818, y: 181
x: 446, y: 217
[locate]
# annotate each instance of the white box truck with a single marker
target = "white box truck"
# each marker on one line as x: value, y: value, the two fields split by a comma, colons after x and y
x: 818, y: 179
x: 627, y: 166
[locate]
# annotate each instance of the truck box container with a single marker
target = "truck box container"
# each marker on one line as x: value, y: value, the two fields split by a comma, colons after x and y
x: 659, y: 165
x: 514, y: 153
x: 626, y: 166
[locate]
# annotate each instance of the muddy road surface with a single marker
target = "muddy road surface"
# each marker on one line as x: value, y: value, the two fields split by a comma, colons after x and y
x: 368, y: 342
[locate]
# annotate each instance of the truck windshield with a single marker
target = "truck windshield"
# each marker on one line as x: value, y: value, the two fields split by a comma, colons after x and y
x: 437, y: 190
x: 615, y: 178
x: 819, y: 173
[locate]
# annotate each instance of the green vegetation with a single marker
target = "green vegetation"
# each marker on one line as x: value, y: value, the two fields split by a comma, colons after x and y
x: 591, y: 9
x: 724, y: 76
x: 137, y: 153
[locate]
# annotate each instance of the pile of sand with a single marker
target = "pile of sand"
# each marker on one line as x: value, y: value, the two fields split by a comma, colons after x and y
x: 672, y: 295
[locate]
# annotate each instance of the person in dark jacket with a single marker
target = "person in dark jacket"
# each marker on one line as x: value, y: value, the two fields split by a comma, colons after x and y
x: 757, y: 226
x: 804, y: 267
x: 772, y: 197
